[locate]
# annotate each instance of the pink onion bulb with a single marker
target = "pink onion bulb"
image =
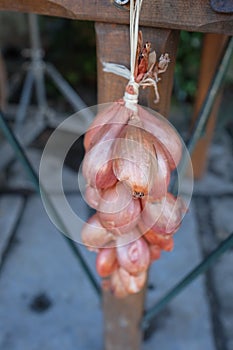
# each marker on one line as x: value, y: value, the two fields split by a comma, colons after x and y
x: 163, y: 216
x: 165, y: 133
x: 134, y: 257
x: 106, y: 261
x: 155, y: 252
x: 162, y: 176
x: 135, y: 162
x: 97, y: 166
x: 132, y: 283
x: 94, y: 235
x: 118, y: 211
x: 92, y: 196
x: 116, y: 114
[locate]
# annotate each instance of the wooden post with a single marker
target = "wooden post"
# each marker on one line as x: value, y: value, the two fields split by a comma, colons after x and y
x: 213, y: 45
x: 112, y: 43
x: 110, y: 86
x: 122, y: 316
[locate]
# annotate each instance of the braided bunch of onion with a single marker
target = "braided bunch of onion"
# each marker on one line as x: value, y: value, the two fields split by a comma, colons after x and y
x: 127, y: 166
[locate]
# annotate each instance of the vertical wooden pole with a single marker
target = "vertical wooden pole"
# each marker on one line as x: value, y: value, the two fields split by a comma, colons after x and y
x: 122, y: 316
x: 112, y: 42
x: 213, y: 45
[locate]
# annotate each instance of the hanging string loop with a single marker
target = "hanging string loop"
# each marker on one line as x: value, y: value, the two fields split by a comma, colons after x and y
x: 145, y: 74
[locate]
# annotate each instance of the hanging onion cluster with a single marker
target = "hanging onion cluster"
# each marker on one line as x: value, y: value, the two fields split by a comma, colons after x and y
x: 129, y: 158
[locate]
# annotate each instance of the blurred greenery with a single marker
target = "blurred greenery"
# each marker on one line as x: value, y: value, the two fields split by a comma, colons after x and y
x: 187, y: 65
x: 71, y: 46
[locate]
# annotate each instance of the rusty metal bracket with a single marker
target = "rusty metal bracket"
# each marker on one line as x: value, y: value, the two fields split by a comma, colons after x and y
x: 223, y: 6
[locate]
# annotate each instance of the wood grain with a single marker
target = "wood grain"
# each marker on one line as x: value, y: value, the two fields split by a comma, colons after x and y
x: 110, y: 86
x: 112, y: 42
x: 213, y: 45
x: 180, y: 14
x: 122, y: 321
x: 122, y: 317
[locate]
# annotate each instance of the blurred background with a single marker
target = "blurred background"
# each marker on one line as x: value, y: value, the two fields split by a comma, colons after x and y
x: 45, y: 299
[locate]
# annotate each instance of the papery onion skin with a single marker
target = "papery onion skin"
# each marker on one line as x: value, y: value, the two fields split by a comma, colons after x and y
x: 108, y: 131
x: 116, y: 285
x: 163, y: 216
x: 118, y: 211
x: 164, y: 242
x: 155, y: 252
x: 162, y: 176
x: 97, y: 166
x: 116, y: 116
x: 165, y: 133
x: 94, y: 235
x: 122, y: 283
x: 134, y: 161
x: 134, y: 256
x: 132, y: 283
x: 131, y: 236
x: 100, y: 119
x: 92, y: 196
x: 106, y: 261
x: 105, y: 177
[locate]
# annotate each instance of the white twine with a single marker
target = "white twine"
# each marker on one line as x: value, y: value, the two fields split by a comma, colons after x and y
x: 118, y: 69
x: 134, y: 24
x: 131, y: 100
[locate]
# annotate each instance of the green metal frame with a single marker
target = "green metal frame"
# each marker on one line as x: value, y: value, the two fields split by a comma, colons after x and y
x: 22, y: 157
x: 198, y: 270
x: 196, y: 134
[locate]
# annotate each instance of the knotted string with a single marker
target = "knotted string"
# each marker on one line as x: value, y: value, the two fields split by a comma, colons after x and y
x: 131, y: 99
x: 134, y: 24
